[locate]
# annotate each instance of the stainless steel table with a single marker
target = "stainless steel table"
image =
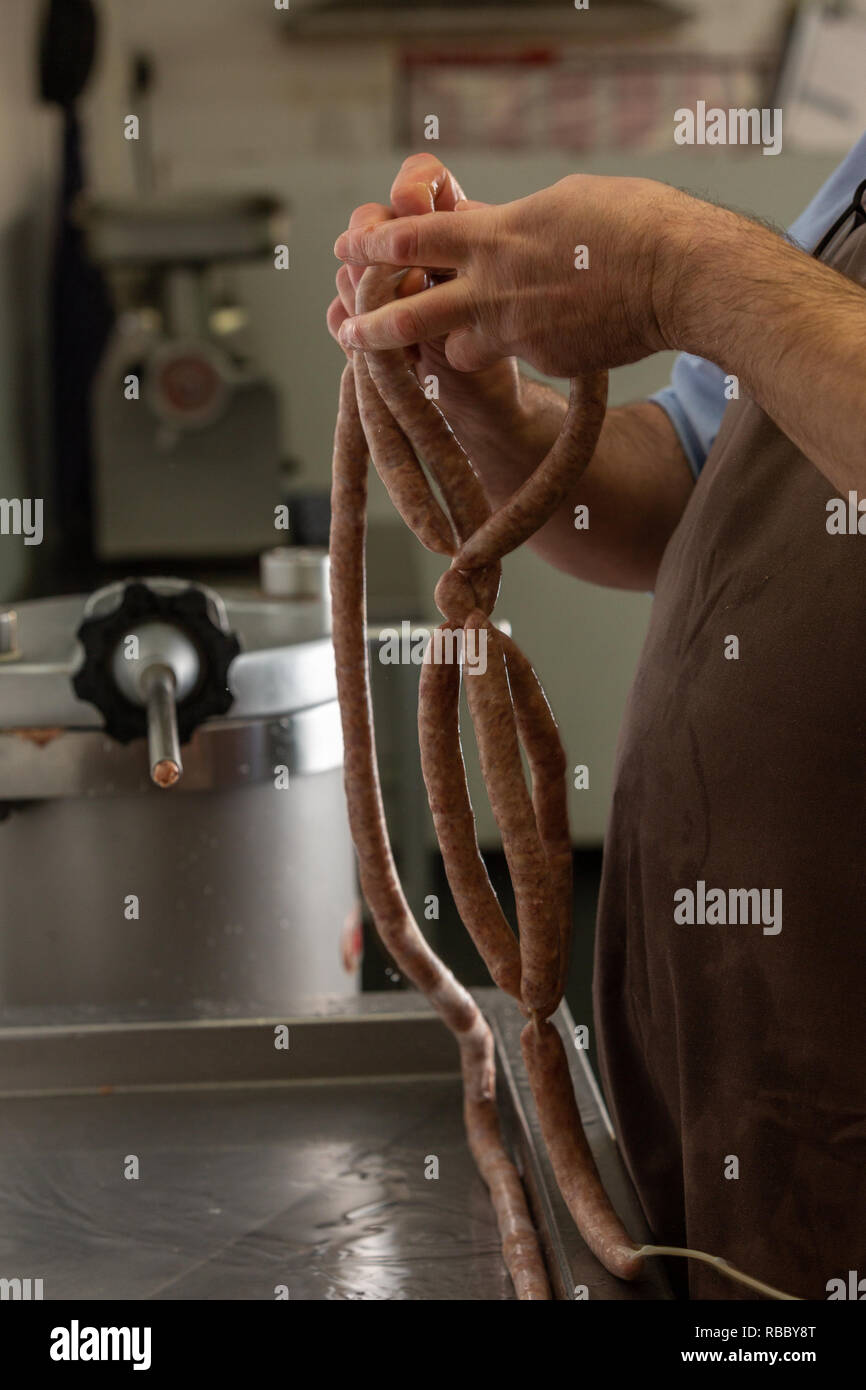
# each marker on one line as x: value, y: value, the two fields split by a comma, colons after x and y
x: 261, y: 1167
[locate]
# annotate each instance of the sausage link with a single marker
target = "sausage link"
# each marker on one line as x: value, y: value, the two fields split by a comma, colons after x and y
x: 573, y: 1164
x: 496, y: 734
x: 397, y: 466
x: 419, y: 417
x: 361, y: 777
x: 519, y: 1240
x: 428, y: 432
x: 394, y: 921
x: 539, y: 735
x: 537, y: 499
x: 448, y: 794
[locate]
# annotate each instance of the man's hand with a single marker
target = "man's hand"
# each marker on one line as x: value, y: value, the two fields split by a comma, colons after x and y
x: 424, y: 185
x: 665, y: 271
x: 638, y: 481
x: 518, y: 289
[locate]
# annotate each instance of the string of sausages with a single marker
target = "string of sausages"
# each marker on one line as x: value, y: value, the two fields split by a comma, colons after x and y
x: 384, y: 410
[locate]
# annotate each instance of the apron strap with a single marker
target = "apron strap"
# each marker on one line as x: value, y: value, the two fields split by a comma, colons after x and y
x: 854, y: 209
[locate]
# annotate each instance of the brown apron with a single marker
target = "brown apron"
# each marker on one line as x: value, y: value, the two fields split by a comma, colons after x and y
x: 729, y: 1042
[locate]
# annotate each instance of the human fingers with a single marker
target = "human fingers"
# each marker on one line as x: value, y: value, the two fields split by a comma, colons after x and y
x: 346, y: 290
x: 336, y: 316
x: 434, y: 239
x: 366, y: 215
x: 424, y: 185
x: 422, y: 316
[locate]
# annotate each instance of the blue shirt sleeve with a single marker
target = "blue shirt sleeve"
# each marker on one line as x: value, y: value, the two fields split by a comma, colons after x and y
x: 695, y: 399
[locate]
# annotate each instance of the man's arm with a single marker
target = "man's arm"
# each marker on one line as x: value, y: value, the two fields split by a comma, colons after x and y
x: 635, y: 487
x: 792, y: 329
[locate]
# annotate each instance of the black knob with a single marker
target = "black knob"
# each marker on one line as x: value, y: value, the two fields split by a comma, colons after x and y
x: 185, y: 609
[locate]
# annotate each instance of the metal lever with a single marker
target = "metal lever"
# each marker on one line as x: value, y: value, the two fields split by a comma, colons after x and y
x: 158, y: 688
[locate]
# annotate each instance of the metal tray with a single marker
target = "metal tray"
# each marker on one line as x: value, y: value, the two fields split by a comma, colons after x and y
x: 298, y: 1169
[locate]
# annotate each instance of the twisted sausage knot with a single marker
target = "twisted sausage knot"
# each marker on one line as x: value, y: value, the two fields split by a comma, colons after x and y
x: 461, y: 592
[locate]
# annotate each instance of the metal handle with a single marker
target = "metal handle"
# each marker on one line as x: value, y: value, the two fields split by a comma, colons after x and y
x: 158, y: 689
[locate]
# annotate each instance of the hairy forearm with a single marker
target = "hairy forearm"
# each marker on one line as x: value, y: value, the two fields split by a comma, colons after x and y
x: 791, y: 329
x: 634, y: 489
